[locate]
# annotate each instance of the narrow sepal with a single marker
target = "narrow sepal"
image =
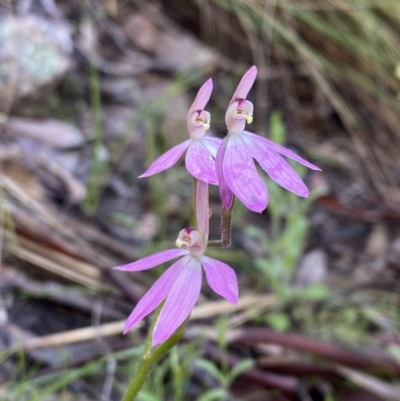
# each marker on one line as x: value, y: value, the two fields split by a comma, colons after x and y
x: 153, y: 260
x: 263, y: 142
x: 245, y: 84
x: 242, y: 177
x: 200, y: 163
x: 156, y: 294
x: 167, y: 160
x: 224, y: 190
x: 276, y: 167
x: 202, y: 97
x: 180, y: 301
x: 221, y: 278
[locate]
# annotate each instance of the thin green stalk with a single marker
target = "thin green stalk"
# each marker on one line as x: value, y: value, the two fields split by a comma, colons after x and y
x: 152, y: 355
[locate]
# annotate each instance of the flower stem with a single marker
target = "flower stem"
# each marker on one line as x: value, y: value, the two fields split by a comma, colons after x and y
x: 215, y: 243
x: 152, y: 355
x: 226, y: 221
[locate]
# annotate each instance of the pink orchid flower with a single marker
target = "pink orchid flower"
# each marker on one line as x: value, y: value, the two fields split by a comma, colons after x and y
x: 180, y: 284
x: 201, y: 150
x: 236, y: 171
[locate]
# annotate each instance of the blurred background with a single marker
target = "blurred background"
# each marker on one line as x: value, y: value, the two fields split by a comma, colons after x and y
x: 91, y: 92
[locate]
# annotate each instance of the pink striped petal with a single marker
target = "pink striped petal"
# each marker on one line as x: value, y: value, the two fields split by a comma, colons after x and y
x: 156, y: 294
x: 180, y: 301
x: 200, y: 163
x: 153, y: 260
x: 264, y: 142
x: 245, y: 84
x: 224, y: 191
x: 202, y: 209
x: 202, y: 98
x: 212, y: 144
x: 276, y: 167
x: 242, y: 177
x: 221, y: 278
x: 167, y: 160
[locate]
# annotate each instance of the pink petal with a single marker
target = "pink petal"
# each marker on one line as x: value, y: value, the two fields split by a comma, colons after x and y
x: 153, y: 260
x: 276, y: 166
x: 180, y: 301
x: 167, y: 160
x: 156, y: 294
x: 221, y: 278
x: 245, y: 84
x: 202, y: 209
x: 212, y: 144
x: 202, y: 98
x: 242, y: 177
x: 224, y: 191
x: 200, y: 163
x: 261, y: 141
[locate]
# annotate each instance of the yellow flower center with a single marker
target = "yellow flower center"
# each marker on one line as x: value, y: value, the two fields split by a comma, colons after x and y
x: 203, y: 119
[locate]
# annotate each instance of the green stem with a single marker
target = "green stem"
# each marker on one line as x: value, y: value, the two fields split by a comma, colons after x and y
x: 152, y: 355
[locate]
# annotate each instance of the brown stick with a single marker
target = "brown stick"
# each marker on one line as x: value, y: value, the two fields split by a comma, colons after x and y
x: 226, y: 221
x: 324, y: 350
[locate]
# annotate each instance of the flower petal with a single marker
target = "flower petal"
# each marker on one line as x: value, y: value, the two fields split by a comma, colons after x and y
x: 202, y: 98
x: 180, y: 301
x: 202, y: 209
x: 212, y: 144
x: 221, y: 278
x: 245, y: 84
x: 224, y: 191
x: 276, y: 167
x: 242, y: 177
x: 156, y: 294
x: 263, y: 142
x: 167, y: 160
x: 200, y: 163
x: 153, y: 260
